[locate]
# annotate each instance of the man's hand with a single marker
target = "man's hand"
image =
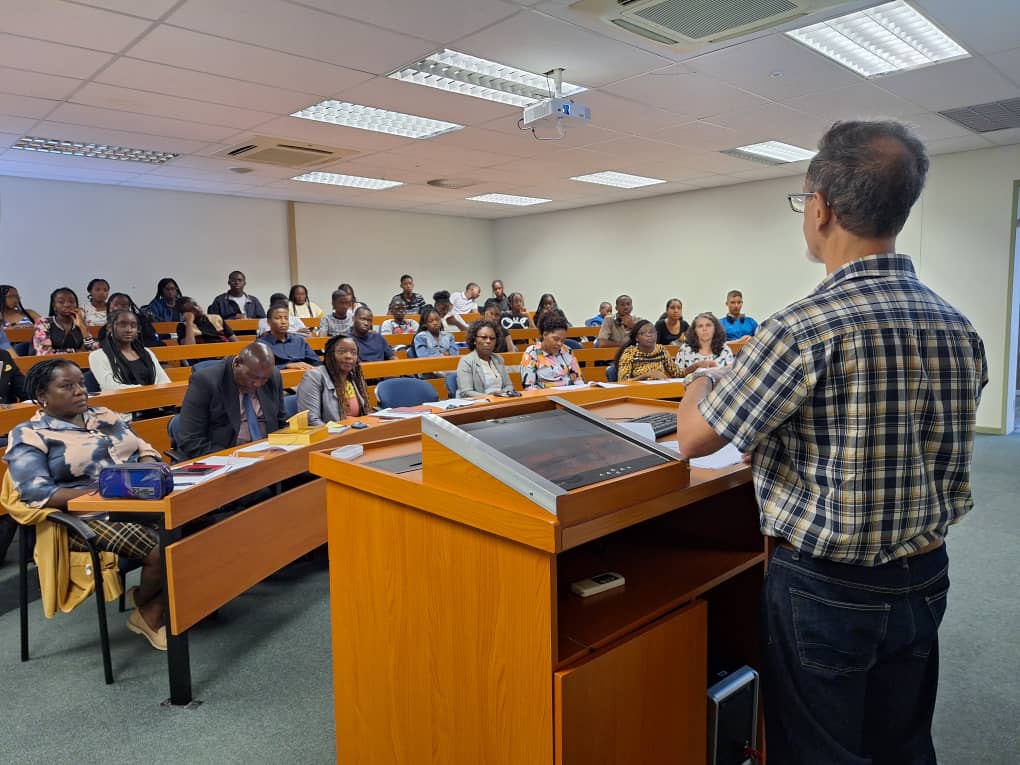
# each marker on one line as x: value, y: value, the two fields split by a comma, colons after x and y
x: 188, y: 317
x: 627, y: 321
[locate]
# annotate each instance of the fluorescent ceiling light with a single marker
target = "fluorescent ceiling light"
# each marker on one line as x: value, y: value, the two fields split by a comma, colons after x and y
x: 509, y: 199
x: 379, y: 120
x: 771, y: 152
x: 96, y: 150
x: 620, y: 180
x: 354, y: 181
x: 473, y: 76
x: 888, y: 38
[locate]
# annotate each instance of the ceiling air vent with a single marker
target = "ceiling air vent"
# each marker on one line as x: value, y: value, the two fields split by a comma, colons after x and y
x: 986, y: 118
x: 451, y: 183
x: 283, y: 152
x: 693, y: 24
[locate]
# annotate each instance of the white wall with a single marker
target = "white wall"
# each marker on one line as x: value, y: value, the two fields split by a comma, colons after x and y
x: 370, y: 249
x: 55, y: 234
x: 698, y: 245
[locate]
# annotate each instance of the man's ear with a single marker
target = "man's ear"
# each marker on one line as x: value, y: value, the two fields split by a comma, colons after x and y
x: 822, y: 212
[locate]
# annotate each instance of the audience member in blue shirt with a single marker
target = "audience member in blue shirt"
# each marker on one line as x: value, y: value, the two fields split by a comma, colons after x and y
x: 164, y: 307
x: 431, y: 340
x: 371, y: 345
x: 291, y: 351
x: 604, y: 310
x: 736, y: 324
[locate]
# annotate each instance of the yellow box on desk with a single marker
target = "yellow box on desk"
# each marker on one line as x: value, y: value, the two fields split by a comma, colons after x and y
x: 299, y: 432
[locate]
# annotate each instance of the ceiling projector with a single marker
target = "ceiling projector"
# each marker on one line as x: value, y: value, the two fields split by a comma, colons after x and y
x: 553, y: 110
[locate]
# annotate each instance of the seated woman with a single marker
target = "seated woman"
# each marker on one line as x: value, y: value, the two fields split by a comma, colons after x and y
x: 98, y: 291
x: 122, y: 361
x: 671, y: 328
x: 547, y: 304
x: 299, y: 304
x: 290, y: 349
x: 120, y: 301
x: 641, y: 358
x: 492, y: 312
x: 431, y: 340
x: 516, y: 317
x: 196, y: 327
x: 548, y: 363
x: 355, y: 303
x: 482, y: 372
x: 64, y: 330
x: 57, y: 456
x: 704, y: 346
x: 165, y: 306
x: 336, y: 390
x: 452, y: 320
x: 12, y: 312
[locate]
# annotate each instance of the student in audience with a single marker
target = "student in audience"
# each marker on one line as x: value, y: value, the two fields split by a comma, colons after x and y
x: 492, y: 312
x: 671, y: 327
x: 122, y: 361
x: 64, y: 330
x: 413, y: 302
x: 233, y: 402
x: 516, y: 317
x: 340, y: 320
x: 704, y: 346
x: 736, y: 324
x: 290, y: 350
x: 616, y: 330
x: 336, y: 390
x: 547, y: 304
x: 294, y: 324
x: 58, y: 454
x: 431, y: 340
x: 549, y: 363
x: 235, y: 303
x: 120, y: 301
x: 355, y: 303
x: 12, y: 381
x: 605, y: 308
x: 451, y: 320
x: 300, y: 305
x: 164, y: 307
x: 196, y: 327
x: 371, y: 345
x: 95, y: 306
x: 14, y: 313
x: 5, y: 343
x: 464, y: 302
x: 499, y: 295
x: 399, y: 324
x: 641, y: 358
x: 482, y: 372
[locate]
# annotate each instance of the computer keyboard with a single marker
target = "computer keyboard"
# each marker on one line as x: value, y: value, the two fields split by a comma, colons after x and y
x: 663, y: 423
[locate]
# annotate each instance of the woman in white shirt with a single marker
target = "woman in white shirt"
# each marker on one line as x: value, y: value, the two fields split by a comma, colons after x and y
x: 299, y: 304
x: 704, y: 346
x: 95, y: 305
x: 122, y: 361
x: 482, y: 372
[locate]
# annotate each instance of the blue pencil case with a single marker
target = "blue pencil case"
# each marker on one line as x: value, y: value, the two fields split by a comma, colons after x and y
x: 136, y: 480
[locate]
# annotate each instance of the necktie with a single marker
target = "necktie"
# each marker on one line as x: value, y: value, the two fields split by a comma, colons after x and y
x: 253, y: 420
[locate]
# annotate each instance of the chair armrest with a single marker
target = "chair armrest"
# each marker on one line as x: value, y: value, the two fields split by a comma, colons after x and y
x: 74, y: 523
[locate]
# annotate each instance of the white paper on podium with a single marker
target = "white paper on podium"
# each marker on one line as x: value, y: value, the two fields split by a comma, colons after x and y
x: 639, y: 429
x: 728, y: 455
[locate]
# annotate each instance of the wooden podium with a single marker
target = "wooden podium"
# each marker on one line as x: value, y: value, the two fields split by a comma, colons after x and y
x: 456, y: 639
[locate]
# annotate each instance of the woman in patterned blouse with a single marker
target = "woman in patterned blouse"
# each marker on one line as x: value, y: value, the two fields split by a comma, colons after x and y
x: 704, y: 346
x: 548, y: 363
x: 57, y: 456
x: 64, y: 330
x: 641, y: 358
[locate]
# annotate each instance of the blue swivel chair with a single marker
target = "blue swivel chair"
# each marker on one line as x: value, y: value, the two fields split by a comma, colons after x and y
x: 404, y: 391
x: 451, y: 384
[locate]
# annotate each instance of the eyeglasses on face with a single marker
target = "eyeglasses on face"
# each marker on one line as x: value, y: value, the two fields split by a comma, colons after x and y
x: 799, y: 201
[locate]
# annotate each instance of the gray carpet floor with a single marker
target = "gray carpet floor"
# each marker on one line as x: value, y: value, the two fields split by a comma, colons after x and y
x: 263, y: 673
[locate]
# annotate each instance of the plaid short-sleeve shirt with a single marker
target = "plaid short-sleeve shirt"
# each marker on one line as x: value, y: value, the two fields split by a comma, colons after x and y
x: 858, y: 403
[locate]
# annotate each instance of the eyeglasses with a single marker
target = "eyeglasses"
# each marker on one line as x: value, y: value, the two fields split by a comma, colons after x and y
x: 799, y: 201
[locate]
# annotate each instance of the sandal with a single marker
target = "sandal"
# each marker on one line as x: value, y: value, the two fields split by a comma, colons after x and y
x: 157, y: 638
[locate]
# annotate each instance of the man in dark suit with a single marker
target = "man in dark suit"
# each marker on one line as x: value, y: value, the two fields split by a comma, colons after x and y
x: 234, y: 402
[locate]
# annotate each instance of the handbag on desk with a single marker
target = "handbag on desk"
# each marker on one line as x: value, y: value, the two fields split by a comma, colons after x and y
x: 136, y: 480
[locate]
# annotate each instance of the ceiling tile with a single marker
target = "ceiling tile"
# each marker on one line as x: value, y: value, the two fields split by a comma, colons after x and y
x: 774, y: 67
x: 40, y: 56
x: 576, y: 134
x: 773, y: 122
x: 55, y: 172
x: 761, y: 172
x: 481, y: 139
x: 536, y: 42
x: 672, y: 168
x: 702, y: 135
x: 932, y: 127
x: 190, y: 50
x: 21, y: 82
x: 20, y: 125
x: 442, y: 22
x: 25, y: 106
x: 962, y: 143
x: 384, y: 93
x: 65, y: 163
x: 686, y: 93
x: 565, y: 165
x: 1003, y: 137
x: 624, y: 116
x: 712, y: 181
x: 1007, y: 62
x: 454, y: 156
x: 303, y: 32
x: 860, y: 101
x: 79, y: 114
x: 92, y: 134
x: 956, y: 83
x: 159, y: 78
x: 981, y: 26
x: 148, y: 9
x: 632, y: 148
x: 71, y: 23
x: 7, y: 139
x: 124, y: 99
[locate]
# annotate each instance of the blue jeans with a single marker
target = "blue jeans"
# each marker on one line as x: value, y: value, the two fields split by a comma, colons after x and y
x: 850, y: 659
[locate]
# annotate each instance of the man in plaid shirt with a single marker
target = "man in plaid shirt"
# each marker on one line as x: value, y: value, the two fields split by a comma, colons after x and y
x: 856, y: 405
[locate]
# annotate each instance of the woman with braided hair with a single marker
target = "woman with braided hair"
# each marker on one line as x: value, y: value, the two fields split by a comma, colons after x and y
x: 122, y: 361
x: 336, y: 390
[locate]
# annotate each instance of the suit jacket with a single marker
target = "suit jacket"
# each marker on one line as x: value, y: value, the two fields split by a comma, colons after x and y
x: 211, y: 413
x: 223, y: 306
x: 12, y: 381
x: 471, y: 383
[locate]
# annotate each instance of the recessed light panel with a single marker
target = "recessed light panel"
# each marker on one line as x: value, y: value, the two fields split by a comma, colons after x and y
x: 472, y: 76
x: 771, y: 152
x: 95, y: 150
x: 509, y: 199
x: 888, y: 38
x: 620, y: 180
x: 353, y: 181
x: 378, y: 120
